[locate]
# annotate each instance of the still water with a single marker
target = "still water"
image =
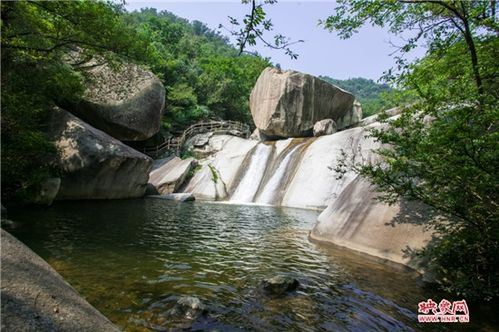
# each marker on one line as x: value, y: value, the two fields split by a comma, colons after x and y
x: 132, y: 259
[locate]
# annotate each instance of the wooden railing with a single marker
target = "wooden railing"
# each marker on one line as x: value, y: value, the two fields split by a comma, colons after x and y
x: 174, y: 144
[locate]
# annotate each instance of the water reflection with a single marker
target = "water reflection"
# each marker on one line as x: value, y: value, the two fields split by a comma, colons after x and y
x: 132, y: 259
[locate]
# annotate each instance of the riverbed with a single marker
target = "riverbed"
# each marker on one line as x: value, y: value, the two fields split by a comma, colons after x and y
x: 132, y: 259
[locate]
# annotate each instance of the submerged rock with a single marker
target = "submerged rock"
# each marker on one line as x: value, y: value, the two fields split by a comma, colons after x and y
x: 324, y: 127
x: 289, y: 103
x: 168, y: 177
x: 279, y: 285
x: 36, y: 298
x: 94, y: 165
x: 126, y: 103
x: 188, y: 308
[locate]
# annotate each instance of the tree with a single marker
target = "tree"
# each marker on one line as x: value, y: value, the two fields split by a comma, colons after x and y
x: 205, y: 77
x: 253, y: 27
x: 36, y: 36
x: 444, y: 149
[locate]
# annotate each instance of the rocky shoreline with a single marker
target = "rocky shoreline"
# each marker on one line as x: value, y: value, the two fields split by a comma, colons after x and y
x: 36, y: 298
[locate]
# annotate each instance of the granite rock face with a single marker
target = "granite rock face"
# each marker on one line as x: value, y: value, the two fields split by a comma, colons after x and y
x: 168, y: 177
x: 36, y: 298
x: 324, y: 127
x: 358, y: 221
x: 289, y: 103
x: 126, y: 103
x: 94, y: 165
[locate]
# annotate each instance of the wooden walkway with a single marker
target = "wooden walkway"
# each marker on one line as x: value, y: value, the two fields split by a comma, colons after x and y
x: 174, y: 144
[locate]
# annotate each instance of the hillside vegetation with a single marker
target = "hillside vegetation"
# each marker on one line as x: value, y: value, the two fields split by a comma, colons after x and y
x: 374, y: 97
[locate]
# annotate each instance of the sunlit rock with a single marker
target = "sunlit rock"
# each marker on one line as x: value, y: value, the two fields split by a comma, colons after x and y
x: 219, y: 171
x: 168, y: 177
x: 289, y: 103
x: 357, y: 220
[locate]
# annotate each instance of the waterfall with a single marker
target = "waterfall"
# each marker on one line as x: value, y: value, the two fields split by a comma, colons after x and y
x: 250, y: 183
x: 271, y: 189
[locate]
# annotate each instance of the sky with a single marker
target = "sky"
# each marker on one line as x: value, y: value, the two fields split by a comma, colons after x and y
x: 366, y: 54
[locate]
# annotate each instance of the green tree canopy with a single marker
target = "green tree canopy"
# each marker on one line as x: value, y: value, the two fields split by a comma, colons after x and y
x: 444, y: 149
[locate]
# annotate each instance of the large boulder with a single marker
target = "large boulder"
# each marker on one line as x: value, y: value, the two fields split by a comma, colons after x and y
x: 94, y: 165
x: 36, y: 298
x: 168, y: 177
x: 357, y: 220
x: 289, y: 103
x: 127, y: 102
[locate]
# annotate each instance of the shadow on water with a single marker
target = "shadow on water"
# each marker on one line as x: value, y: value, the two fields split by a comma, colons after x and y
x: 132, y: 259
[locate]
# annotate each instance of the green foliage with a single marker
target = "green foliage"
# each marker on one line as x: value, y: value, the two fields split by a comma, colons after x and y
x: 444, y: 149
x: 214, y: 173
x: 253, y: 26
x: 35, y: 38
x: 374, y: 97
x: 203, y: 74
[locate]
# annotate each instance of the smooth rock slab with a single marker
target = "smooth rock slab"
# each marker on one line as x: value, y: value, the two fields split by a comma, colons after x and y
x: 358, y: 221
x: 289, y: 103
x: 95, y: 165
x: 168, y: 177
x: 36, y: 298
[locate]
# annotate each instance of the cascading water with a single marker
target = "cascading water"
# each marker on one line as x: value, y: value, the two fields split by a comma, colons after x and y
x: 247, y: 188
x: 271, y: 188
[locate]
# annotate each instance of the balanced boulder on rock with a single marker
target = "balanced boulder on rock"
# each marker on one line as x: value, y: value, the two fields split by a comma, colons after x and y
x: 93, y: 164
x: 127, y: 103
x: 289, y: 103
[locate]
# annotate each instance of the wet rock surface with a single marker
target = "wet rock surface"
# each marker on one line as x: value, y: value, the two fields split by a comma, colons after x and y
x: 279, y: 285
